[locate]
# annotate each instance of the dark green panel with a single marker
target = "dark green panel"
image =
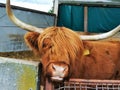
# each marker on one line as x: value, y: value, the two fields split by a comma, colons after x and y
x: 102, y: 19
x: 77, y: 18
x: 71, y: 16
x: 64, y: 16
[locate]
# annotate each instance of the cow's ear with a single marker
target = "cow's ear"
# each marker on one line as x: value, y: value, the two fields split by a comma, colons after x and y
x: 31, y: 39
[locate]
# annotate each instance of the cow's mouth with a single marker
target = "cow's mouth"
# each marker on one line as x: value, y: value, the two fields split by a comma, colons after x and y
x: 57, y: 78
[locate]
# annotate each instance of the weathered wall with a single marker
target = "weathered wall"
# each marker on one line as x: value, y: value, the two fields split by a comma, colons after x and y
x: 18, y: 74
x: 11, y: 37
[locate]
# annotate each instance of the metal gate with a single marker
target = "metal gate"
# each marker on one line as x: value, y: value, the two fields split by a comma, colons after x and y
x: 83, y: 84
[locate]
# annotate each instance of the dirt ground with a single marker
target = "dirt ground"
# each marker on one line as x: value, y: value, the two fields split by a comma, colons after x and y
x: 25, y: 55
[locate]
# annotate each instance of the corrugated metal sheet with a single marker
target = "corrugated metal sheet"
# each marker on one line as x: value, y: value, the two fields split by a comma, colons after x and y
x: 11, y: 37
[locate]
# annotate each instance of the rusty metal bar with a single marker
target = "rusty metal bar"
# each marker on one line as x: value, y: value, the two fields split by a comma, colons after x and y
x: 94, y: 81
x: 85, y: 84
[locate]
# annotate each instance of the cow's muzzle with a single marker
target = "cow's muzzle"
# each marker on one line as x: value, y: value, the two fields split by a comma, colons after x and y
x: 57, y: 72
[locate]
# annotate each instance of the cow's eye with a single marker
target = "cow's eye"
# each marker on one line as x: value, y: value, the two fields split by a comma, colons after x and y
x: 44, y: 45
x: 47, y: 43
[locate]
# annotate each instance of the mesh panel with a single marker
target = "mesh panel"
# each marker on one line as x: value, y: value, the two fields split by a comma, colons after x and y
x: 82, y: 84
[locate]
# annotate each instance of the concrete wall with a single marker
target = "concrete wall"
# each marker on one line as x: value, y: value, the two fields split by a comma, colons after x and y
x: 18, y: 74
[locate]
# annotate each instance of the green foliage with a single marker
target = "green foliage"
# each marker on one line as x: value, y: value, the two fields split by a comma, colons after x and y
x: 51, y: 10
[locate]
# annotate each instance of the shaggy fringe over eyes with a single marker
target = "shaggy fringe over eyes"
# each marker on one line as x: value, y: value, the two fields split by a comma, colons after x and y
x: 62, y: 39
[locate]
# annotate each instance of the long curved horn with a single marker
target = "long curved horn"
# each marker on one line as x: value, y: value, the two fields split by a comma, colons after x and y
x: 101, y: 36
x: 18, y: 22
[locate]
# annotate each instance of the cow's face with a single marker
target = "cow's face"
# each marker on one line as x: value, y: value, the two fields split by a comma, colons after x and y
x: 55, y: 61
x: 57, y: 49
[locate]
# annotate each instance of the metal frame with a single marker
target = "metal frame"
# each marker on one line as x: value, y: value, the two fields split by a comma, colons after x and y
x: 84, y: 84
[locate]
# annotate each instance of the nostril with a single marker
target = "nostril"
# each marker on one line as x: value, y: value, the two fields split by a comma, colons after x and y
x: 53, y: 67
x: 65, y: 69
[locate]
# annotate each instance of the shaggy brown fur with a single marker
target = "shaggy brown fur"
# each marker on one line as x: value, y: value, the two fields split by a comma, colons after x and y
x: 103, y: 61
x: 59, y: 43
x: 62, y: 44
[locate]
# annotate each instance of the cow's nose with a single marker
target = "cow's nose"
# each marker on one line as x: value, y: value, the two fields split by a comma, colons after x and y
x: 58, y: 71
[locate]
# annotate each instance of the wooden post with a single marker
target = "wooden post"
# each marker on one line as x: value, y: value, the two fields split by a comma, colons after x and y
x: 48, y: 85
x: 85, y: 19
